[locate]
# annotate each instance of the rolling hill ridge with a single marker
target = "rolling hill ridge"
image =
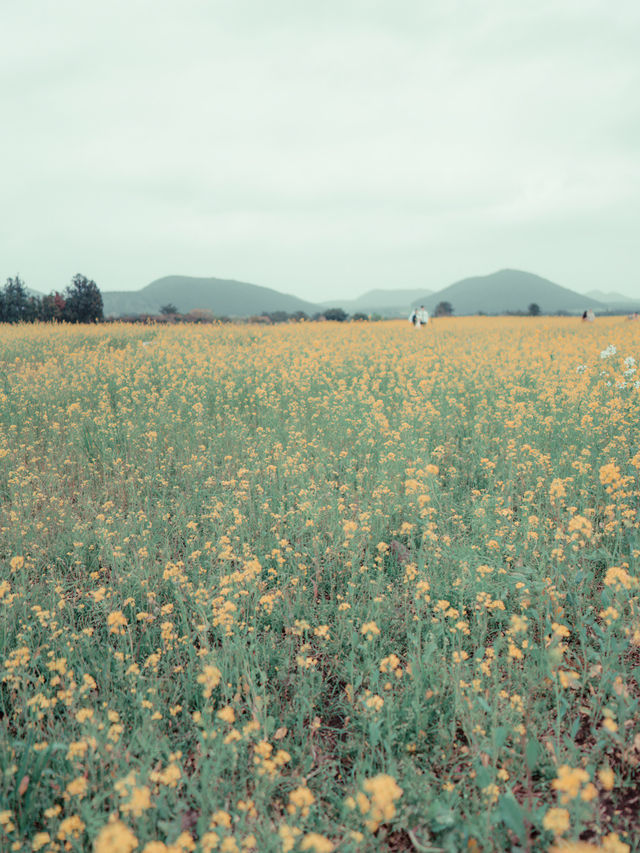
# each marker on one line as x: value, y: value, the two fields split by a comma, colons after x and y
x: 222, y: 296
x: 500, y: 292
x: 508, y: 290
x: 388, y: 303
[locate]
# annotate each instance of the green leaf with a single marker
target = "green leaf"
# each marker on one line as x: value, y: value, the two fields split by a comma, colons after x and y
x: 532, y: 753
x: 441, y: 815
x: 484, y: 777
x: 511, y: 814
x: 500, y: 736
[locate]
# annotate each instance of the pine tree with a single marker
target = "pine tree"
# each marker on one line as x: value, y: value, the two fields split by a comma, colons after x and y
x: 14, y: 301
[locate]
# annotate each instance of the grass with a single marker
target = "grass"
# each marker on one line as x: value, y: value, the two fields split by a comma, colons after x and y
x: 319, y: 587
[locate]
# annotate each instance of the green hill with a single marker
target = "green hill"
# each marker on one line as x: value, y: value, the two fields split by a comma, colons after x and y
x: 508, y: 290
x: 389, y: 303
x: 615, y: 301
x: 225, y: 297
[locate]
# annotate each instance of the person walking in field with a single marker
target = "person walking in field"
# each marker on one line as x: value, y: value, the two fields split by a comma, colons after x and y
x: 419, y: 317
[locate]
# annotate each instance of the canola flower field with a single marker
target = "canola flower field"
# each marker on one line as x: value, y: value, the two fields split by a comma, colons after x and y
x: 320, y: 587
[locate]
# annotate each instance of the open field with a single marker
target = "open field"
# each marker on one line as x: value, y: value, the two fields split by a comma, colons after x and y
x: 318, y: 587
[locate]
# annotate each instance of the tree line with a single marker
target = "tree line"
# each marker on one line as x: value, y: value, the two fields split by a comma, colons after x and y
x: 200, y: 315
x: 80, y: 302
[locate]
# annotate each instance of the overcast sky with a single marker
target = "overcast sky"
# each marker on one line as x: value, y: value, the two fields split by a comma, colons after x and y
x: 320, y: 147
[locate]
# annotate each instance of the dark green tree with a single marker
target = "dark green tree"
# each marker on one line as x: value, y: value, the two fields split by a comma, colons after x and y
x: 534, y: 309
x: 14, y: 301
x: 336, y: 314
x: 444, y: 309
x: 52, y: 307
x: 83, y: 301
x: 169, y: 308
x: 277, y: 316
x: 33, y: 310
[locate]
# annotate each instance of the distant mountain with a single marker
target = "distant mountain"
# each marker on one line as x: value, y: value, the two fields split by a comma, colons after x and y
x: 613, y: 300
x: 225, y: 297
x: 386, y: 302
x: 508, y: 290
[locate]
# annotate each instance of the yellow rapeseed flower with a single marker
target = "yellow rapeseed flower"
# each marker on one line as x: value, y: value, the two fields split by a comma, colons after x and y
x: 316, y: 843
x: 569, y: 782
x: 383, y: 791
x: 556, y: 820
x: 369, y: 630
x: 116, y: 622
x: 301, y: 798
x: 115, y: 837
x: 209, y: 678
x: 607, y: 778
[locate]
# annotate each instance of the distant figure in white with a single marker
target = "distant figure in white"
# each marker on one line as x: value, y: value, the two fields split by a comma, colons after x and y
x: 419, y: 317
x: 588, y: 316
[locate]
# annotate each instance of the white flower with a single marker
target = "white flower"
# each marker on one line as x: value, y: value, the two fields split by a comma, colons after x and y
x: 609, y: 351
x: 581, y: 368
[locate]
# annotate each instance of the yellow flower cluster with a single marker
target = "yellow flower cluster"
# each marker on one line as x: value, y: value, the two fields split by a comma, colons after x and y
x: 377, y: 800
x: 242, y: 565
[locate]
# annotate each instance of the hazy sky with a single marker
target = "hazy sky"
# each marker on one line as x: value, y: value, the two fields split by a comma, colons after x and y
x: 321, y: 148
